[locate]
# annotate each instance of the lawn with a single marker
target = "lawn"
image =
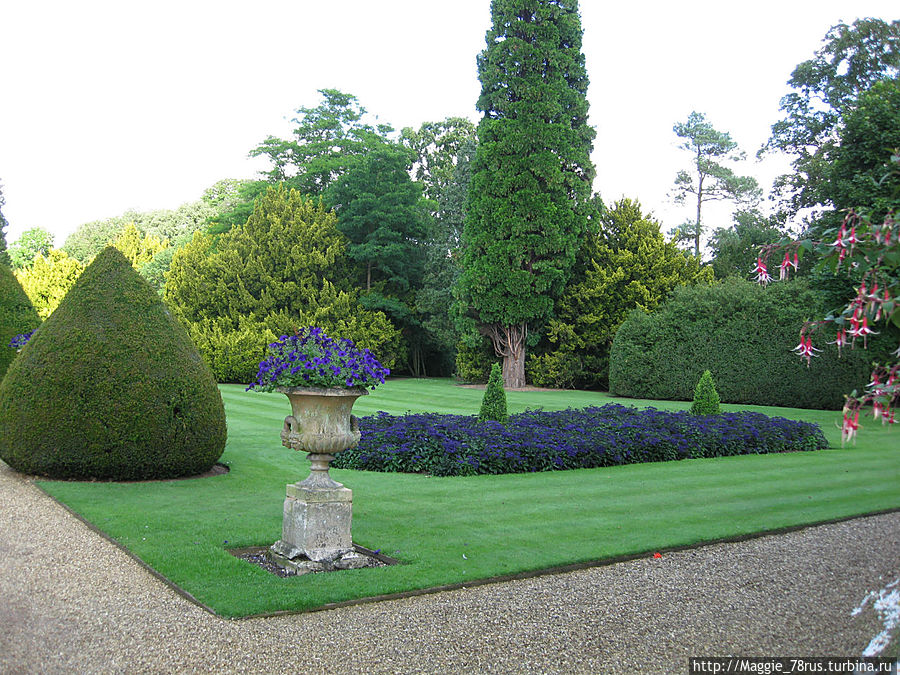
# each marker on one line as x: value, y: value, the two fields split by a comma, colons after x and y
x: 456, y: 530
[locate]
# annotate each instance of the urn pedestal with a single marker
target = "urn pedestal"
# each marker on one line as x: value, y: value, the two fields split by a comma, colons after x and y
x: 318, y: 510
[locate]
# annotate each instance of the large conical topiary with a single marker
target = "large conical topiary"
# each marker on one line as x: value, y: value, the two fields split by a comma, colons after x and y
x: 110, y: 387
x: 17, y: 315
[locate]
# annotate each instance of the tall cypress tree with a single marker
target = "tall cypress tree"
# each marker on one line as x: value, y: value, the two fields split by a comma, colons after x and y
x: 531, y: 185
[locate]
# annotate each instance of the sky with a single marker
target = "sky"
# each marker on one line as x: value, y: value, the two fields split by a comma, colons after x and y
x: 107, y: 106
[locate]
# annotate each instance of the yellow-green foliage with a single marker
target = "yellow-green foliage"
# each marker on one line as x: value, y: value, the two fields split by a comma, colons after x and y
x: 49, y: 279
x: 706, y: 399
x: 110, y: 387
x: 625, y: 264
x: 284, y: 269
x: 17, y: 315
x: 138, y: 249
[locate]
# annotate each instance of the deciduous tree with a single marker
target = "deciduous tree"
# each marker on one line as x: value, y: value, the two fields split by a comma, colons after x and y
x: 853, y: 58
x: 380, y: 211
x: 327, y: 141
x: 736, y: 248
x: 437, y: 146
x: 31, y: 242
x: 859, y: 172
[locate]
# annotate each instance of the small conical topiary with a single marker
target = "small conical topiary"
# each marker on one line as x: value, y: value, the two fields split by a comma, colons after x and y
x: 493, y: 405
x: 17, y: 315
x: 706, y: 398
x: 110, y: 387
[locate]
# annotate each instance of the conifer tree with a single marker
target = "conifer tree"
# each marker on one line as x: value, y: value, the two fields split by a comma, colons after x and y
x: 706, y: 398
x: 493, y: 405
x: 532, y: 175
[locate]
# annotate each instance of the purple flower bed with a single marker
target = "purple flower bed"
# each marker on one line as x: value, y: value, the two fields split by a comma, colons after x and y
x: 457, y: 445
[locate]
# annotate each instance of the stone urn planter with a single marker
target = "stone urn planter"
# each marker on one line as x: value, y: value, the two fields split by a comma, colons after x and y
x: 321, y: 425
x: 318, y: 510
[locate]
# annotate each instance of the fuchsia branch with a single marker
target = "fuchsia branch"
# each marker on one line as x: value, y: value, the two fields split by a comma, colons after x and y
x: 872, y: 251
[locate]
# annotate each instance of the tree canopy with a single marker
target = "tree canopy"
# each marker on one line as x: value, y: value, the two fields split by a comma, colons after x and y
x: 859, y: 174
x: 853, y: 58
x: 735, y: 248
x: 326, y: 142
x: 31, y: 242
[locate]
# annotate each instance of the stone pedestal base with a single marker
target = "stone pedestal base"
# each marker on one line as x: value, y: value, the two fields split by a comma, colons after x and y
x: 353, y: 560
x: 316, y: 523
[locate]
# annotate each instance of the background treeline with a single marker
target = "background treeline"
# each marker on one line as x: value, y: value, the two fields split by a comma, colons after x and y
x: 359, y: 228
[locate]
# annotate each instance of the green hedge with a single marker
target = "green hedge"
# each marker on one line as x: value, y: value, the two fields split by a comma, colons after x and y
x: 743, y: 334
x: 110, y: 387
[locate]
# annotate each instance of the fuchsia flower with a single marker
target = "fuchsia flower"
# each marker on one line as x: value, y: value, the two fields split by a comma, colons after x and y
x: 860, y: 328
x: 762, y: 274
x: 840, y: 340
x: 839, y: 244
x: 850, y: 426
x: 805, y: 349
x: 785, y: 267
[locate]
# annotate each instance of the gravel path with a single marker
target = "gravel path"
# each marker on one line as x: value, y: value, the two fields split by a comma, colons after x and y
x: 72, y: 602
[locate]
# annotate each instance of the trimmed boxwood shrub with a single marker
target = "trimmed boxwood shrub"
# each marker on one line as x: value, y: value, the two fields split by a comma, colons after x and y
x: 743, y: 333
x: 17, y: 315
x: 110, y: 387
x: 458, y: 445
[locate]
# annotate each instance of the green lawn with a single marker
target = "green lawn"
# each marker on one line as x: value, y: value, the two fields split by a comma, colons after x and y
x: 501, y: 524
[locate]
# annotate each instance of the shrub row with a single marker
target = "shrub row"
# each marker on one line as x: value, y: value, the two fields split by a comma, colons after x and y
x: 454, y: 445
x: 743, y: 334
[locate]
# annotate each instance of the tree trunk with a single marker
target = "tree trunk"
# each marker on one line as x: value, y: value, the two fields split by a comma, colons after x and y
x: 509, y: 342
x: 697, y: 224
x: 416, y: 361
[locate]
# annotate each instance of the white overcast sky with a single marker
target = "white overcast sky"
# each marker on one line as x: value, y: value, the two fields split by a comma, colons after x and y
x: 111, y: 105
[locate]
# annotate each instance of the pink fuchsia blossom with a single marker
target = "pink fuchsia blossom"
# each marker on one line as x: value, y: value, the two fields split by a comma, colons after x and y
x: 840, y: 340
x: 784, y: 268
x: 840, y: 245
x: 860, y: 328
x: 805, y: 349
x: 762, y: 274
x: 850, y: 426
